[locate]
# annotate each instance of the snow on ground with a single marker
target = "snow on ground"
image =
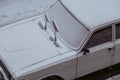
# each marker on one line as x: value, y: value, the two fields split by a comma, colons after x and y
x: 116, y: 77
x: 15, y: 10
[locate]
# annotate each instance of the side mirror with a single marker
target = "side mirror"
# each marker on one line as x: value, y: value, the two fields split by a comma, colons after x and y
x: 85, y: 51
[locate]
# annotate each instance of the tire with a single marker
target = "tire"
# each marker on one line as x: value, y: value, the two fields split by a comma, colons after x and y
x: 53, y: 78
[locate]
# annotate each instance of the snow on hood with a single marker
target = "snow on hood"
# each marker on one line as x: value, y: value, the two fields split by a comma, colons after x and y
x: 24, y: 45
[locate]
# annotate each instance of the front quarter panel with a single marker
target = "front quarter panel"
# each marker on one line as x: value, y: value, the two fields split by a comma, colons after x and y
x: 63, y: 65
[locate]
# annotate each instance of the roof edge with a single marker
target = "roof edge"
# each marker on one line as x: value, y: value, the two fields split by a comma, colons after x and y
x: 75, y: 17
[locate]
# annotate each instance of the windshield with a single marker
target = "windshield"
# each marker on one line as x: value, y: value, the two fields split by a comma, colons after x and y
x: 70, y: 30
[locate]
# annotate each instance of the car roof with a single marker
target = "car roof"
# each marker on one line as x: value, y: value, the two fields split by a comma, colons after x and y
x: 93, y: 13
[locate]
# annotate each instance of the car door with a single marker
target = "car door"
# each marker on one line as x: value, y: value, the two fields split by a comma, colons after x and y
x: 97, y: 52
x: 117, y: 44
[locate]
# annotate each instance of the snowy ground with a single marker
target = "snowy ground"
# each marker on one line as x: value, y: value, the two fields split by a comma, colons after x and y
x: 15, y: 10
x: 117, y: 77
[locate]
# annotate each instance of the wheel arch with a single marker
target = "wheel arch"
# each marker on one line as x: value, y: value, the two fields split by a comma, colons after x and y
x: 53, y: 77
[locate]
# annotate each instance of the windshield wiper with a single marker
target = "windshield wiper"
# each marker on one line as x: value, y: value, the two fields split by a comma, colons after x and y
x: 46, y: 21
x: 55, y: 31
x: 43, y: 22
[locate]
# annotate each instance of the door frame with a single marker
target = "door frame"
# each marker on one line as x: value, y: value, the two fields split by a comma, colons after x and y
x: 80, y: 53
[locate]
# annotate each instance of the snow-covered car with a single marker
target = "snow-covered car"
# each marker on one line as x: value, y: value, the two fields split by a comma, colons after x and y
x: 71, y: 39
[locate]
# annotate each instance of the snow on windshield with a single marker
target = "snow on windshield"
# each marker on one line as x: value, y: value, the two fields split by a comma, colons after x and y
x: 70, y: 30
x: 15, y: 10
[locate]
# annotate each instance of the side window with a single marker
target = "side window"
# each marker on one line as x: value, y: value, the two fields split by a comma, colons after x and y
x: 117, y: 31
x: 100, y: 37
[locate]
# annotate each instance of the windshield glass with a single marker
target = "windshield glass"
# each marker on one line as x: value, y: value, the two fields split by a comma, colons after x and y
x: 70, y: 30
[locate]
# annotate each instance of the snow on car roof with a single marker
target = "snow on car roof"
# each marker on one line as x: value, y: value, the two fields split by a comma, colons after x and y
x: 93, y: 13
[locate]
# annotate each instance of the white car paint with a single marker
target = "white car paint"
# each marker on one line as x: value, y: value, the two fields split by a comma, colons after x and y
x: 29, y: 47
x: 32, y: 49
x: 94, y: 13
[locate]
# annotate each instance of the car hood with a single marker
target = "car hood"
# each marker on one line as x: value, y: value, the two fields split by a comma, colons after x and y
x: 23, y: 45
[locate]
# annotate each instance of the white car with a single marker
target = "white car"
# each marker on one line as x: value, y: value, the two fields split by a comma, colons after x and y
x: 71, y: 39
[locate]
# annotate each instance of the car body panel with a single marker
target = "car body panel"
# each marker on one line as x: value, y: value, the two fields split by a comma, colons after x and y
x: 98, y: 58
x: 29, y: 52
x: 24, y: 45
x: 93, y: 13
x: 116, y: 58
x: 63, y: 65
